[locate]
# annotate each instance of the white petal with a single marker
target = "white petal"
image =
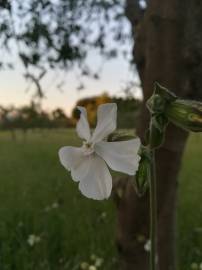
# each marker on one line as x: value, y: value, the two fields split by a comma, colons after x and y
x: 120, y: 156
x: 97, y: 182
x: 82, y: 169
x: 106, y: 121
x: 71, y: 157
x: 82, y: 126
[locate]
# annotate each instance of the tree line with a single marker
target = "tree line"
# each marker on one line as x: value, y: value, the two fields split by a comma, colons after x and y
x: 128, y: 109
x: 32, y: 116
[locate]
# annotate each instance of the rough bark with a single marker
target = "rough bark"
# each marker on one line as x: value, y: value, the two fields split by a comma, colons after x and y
x: 168, y: 49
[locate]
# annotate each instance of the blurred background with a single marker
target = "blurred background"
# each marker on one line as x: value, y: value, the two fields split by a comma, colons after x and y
x: 56, y: 55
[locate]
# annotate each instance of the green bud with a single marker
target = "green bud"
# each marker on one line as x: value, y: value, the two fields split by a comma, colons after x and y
x: 159, y: 122
x: 157, y: 129
x: 156, y: 104
x: 157, y: 138
x: 158, y: 101
x: 164, y: 92
x: 186, y: 114
x: 142, y: 175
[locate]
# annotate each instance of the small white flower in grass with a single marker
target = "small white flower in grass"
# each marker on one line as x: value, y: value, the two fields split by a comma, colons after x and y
x: 194, y: 266
x: 147, y: 246
x: 98, y: 262
x: 84, y: 265
x: 93, y: 257
x: 92, y: 267
x: 88, y: 164
x: 55, y: 205
x: 33, y: 239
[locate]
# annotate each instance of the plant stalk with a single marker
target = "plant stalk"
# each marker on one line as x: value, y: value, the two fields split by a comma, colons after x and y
x: 153, y: 209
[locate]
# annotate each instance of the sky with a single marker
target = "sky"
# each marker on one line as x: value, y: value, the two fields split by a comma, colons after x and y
x: 114, y: 75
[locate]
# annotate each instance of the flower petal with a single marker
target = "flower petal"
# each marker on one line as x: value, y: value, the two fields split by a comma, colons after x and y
x: 106, y: 121
x: 79, y: 172
x: 97, y: 182
x: 120, y: 156
x: 82, y: 127
x: 71, y: 157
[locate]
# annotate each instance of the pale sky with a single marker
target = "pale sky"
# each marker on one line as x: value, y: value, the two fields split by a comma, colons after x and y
x: 114, y: 75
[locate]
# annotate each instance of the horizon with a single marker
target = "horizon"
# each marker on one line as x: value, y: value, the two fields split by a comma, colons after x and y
x: 14, y: 88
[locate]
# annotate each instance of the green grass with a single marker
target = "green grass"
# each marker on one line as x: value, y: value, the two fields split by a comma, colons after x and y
x: 190, y: 205
x: 32, y: 181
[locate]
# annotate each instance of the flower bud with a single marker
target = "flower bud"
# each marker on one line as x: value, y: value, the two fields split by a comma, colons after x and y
x: 185, y: 114
x: 158, y: 101
x: 156, y: 133
x: 156, y: 104
x: 157, y: 138
x: 142, y: 175
x: 164, y: 92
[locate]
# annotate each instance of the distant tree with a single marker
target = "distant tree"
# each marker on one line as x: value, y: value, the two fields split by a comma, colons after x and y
x: 27, y: 116
x: 128, y: 111
x: 7, y: 120
x: 60, y: 119
x: 32, y: 117
x: 91, y: 105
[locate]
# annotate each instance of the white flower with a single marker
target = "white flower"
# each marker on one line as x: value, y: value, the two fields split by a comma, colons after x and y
x: 92, y: 267
x: 194, y: 266
x: 33, y: 239
x: 55, y: 205
x: 93, y: 257
x: 84, y: 265
x: 147, y: 246
x: 98, y: 262
x: 88, y: 163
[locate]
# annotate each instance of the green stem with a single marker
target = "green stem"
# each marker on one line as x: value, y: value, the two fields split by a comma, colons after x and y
x: 153, y: 213
x: 153, y: 210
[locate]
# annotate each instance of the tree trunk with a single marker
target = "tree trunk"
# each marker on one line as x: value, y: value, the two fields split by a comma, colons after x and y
x: 168, y: 49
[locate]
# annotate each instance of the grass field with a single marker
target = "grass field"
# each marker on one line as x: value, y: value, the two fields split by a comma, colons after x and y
x: 38, y: 198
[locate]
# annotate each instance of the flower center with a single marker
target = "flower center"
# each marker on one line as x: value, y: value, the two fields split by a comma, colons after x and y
x: 88, y: 148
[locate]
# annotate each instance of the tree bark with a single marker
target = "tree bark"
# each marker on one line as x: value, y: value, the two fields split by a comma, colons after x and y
x: 168, y: 49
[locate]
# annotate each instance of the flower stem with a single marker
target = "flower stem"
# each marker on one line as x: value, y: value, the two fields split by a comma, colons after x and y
x: 153, y: 213
x: 153, y: 210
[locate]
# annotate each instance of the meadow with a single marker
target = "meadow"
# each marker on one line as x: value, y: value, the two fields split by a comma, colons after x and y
x: 46, y: 224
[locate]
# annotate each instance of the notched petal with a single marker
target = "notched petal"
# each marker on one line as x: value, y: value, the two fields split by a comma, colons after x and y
x: 106, y: 121
x: 82, y: 127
